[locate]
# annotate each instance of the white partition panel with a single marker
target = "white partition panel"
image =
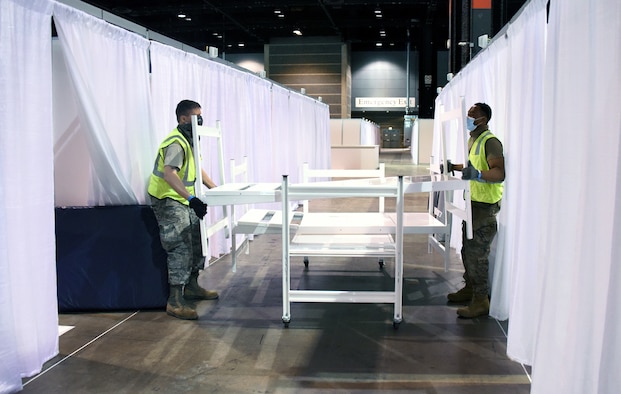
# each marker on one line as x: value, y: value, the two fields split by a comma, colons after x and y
x: 29, y: 320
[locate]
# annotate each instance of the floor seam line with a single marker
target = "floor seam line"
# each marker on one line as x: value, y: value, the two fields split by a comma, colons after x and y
x: 81, y: 348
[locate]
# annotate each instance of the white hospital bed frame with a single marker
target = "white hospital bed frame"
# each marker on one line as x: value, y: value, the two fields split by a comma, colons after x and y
x: 335, y: 235
x: 199, y: 189
x: 354, y: 239
x: 252, y: 221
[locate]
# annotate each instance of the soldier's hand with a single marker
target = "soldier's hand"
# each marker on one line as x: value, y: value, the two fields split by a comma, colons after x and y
x: 199, y: 207
x: 470, y: 172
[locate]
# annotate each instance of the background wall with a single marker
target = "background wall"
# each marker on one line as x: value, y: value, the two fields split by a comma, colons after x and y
x: 383, y: 74
x: 319, y: 65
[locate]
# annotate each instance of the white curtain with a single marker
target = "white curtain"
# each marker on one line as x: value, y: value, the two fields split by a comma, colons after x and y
x: 578, y: 337
x: 517, y: 265
x: 554, y: 87
x: 369, y: 133
x: 108, y: 69
x: 29, y: 323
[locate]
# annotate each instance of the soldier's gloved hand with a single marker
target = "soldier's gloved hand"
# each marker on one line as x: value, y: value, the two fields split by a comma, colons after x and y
x: 470, y: 172
x: 199, y: 207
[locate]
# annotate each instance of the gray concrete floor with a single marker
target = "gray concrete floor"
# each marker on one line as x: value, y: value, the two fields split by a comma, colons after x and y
x: 239, y: 344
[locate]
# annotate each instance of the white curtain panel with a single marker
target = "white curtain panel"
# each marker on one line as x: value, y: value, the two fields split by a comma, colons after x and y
x: 369, y: 133
x: 577, y: 346
x: 170, y: 83
x: 302, y: 135
x: 283, y: 129
x: 258, y: 126
x: 29, y: 323
x: 109, y: 71
x: 517, y: 274
x: 321, y: 155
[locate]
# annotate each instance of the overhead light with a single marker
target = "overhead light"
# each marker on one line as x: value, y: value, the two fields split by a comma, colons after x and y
x: 281, y: 15
x: 378, y: 44
x: 378, y: 11
x: 181, y: 15
x: 297, y: 32
x: 241, y: 44
x: 188, y: 19
x: 276, y: 11
x: 378, y: 15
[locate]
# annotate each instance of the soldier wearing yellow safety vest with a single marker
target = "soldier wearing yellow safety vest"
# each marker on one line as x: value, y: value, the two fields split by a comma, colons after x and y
x: 178, y: 211
x: 486, y: 172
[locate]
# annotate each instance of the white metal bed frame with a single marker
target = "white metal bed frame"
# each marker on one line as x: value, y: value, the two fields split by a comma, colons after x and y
x: 329, y: 235
x: 199, y: 188
x: 321, y: 234
x: 239, y: 193
x: 252, y: 221
x: 358, y: 239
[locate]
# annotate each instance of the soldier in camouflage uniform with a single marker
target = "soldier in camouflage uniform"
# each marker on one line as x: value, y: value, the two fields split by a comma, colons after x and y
x: 486, y: 172
x: 178, y: 211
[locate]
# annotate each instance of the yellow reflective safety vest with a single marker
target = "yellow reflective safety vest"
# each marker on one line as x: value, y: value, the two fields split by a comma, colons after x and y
x: 483, y: 191
x: 158, y: 187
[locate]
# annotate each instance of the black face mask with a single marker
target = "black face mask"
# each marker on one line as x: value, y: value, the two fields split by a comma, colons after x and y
x: 186, y: 128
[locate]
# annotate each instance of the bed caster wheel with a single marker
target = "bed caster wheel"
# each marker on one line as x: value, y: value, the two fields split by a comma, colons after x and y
x: 306, y: 262
x: 395, y: 324
x: 381, y: 264
x: 285, y: 323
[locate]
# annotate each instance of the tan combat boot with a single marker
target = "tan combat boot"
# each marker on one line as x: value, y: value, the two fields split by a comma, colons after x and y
x: 479, y: 306
x: 193, y: 291
x: 463, y: 295
x: 176, y: 305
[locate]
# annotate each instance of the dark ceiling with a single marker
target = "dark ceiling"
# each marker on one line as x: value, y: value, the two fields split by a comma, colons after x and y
x: 225, y: 24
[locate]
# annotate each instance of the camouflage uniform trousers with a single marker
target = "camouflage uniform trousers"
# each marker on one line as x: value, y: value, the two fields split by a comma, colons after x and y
x: 475, y: 251
x: 180, y: 236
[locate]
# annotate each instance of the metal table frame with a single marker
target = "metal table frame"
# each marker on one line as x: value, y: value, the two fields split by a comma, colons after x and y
x: 397, y: 223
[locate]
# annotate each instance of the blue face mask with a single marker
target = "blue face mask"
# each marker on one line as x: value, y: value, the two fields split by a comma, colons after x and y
x: 470, y: 124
